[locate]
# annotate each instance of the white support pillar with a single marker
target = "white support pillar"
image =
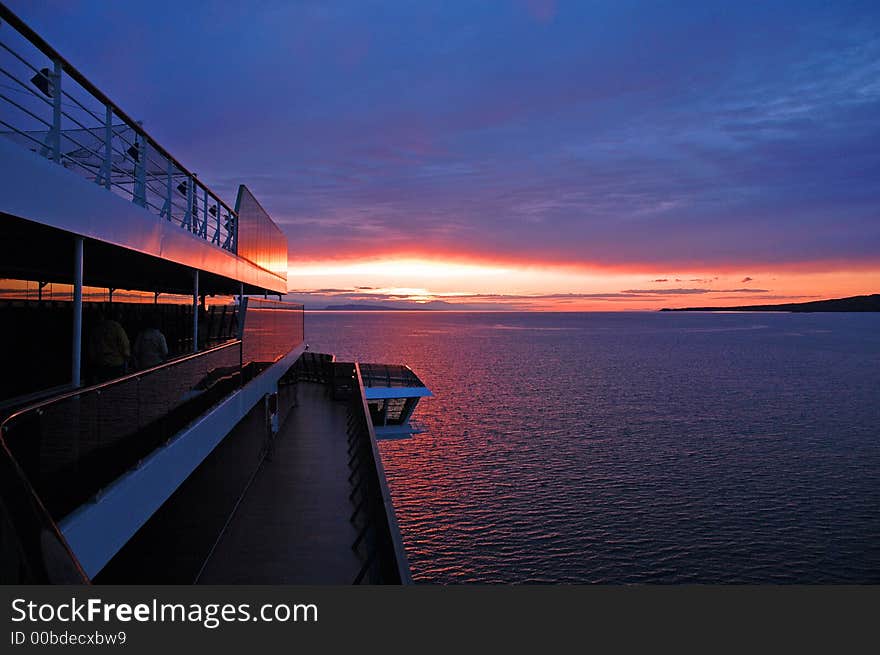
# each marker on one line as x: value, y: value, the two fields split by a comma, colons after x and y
x: 241, y: 310
x: 408, y: 408
x: 196, y: 310
x: 76, y: 360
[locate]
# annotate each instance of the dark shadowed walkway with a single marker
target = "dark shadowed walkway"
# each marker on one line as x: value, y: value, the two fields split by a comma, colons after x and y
x: 292, y: 526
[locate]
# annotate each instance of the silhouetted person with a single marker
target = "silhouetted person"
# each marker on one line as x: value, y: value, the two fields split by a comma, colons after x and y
x: 150, y: 347
x: 109, y: 349
x: 204, y: 328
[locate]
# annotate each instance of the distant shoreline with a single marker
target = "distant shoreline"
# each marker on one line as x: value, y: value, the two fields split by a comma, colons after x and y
x: 371, y: 308
x: 870, y: 303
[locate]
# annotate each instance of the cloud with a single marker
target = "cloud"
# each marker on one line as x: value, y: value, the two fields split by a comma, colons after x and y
x: 320, y: 298
x: 746, y: 279
x: 562, y: 134
x: 684, y: 292
x: 768, y: 297
x: 662, y: 279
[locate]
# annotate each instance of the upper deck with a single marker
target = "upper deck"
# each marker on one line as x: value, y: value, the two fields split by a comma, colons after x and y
x: 75, y: 164
x: 100, y: 447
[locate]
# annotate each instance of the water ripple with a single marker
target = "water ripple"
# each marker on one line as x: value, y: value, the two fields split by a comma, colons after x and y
x: 633, y: 448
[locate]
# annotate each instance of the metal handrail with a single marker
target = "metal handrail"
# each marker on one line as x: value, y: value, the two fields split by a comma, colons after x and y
x: 36, y: 510
x: 22, y: 28
x: 73, y: 444
x: 362, y: 409
x: 7, y: 16
x: 392, y: 374
x: 28, y: 136
x: 32, y: 523
x: 79, y: 391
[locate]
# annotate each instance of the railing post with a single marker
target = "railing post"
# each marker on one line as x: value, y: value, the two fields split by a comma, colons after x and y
x: 139, y: 196
x: 230, y: 232
x: 76, y: 360
x: 235, y: 238
x: 218, y: 216
x: 203, y: 228
x: 107, y: 167
x: 140, y: 171
x: 188, y: 214
x: 166, y: 208
x: 194, y: 198
x: 55, y: 138
x: 408, y: 408
x: 195, y: 348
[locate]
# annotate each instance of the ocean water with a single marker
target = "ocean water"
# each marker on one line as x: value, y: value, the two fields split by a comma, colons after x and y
x: 632, y: 448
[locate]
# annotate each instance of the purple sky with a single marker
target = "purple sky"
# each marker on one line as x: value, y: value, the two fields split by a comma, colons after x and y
x: 628, y: 134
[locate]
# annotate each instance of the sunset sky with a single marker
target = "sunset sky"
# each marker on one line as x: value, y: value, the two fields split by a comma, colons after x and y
x: 526, y: 154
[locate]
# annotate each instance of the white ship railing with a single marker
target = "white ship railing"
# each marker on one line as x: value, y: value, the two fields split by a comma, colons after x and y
x: 47, y: 106
x: 385, y: 558
x: 60, y: 452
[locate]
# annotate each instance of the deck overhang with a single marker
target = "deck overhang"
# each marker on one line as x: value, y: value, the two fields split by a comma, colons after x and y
x: 392, y: 392
x: 53, y: 206
x: 387, y: 393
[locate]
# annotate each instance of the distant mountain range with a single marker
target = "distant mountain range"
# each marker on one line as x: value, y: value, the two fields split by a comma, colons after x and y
x: 853, y: 304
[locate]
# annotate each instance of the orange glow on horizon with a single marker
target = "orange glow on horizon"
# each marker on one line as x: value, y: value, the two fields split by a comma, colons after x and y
x: 499, y: 262
x: 491, y: 284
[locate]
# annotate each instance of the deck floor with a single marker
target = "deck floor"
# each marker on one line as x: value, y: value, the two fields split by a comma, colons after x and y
x: 292, y: 526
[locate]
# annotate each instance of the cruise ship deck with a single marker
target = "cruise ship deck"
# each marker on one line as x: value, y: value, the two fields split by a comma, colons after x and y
x: 237, y: 456
x: 292, y: 525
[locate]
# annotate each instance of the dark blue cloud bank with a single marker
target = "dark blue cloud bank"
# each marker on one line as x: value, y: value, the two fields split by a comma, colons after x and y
x: 624, y: 133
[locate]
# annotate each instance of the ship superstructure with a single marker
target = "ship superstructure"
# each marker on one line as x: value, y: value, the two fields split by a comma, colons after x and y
x: 229, y: 460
